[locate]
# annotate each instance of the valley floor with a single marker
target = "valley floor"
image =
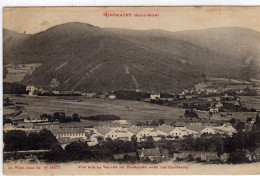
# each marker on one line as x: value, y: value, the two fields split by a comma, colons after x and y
x: 134, y: 111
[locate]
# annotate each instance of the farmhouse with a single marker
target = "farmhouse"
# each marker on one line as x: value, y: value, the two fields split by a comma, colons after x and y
x: 119, y: 133
x: 164, y: 130
x: 229, y: 130
x: 182, y: 155
x: 219, y: 105
x: 124, y: 133
x: 89, y: 95
x: 141, y: 133
x: 68, y: 133
x: 203, y: 156
x: 207, y: 156
x: 39, y: 127
x: 102, y: 131
x: 152, y: 154
x: 208, y: 130
x: 213, y: 110
x: 112, y: 96
x: 196, y: 127
x: 154, y: 96
x: 9, y: 127
x: 180, y: 132
x: 56, y: 92
x: 35, y: 120
x: 32, y: 90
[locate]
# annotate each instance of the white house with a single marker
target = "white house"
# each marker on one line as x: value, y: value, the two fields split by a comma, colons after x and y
x: 119, y: 133
x: 154, y: 96
x: 89, y: 95
x: 213, y: 110
x: 181, y: 131
x: 141, y: 133
x: 219, y: 105
x: 34, y: 120
x: 208, y: 130
x: 151, y: 154
x: 191, y: 132
x: 9, y: 127
x: 112, y: 96
x: 224, y: 129
x: 32, y: 90
x: 164, y: 130
x: 102, y: 131
x: 69, y: 133
x: 56, y: 92
x: 167, y: 130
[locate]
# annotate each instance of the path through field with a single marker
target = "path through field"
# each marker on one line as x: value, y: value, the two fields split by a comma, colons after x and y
x: 132, y: 76
x: 84, y: 77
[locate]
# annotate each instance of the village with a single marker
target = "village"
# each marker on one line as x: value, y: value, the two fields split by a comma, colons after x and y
x: 158, y: 140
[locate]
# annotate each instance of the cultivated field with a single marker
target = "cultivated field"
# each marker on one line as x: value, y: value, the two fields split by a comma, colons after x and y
x: 127, y: 110
x: 251, y: 102
x: 132, y: 111
x: 17, y: 74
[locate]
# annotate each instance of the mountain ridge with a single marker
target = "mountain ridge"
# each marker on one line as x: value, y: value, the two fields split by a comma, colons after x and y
x: 79, y: 56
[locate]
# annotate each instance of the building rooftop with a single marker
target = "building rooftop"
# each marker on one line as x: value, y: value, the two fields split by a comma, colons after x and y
x: 67, y: 140
x: 165, y: 128
x: 57, y: 131
x: 151, y: 152
x: 135, y: 129
x: 102, y: 129
x: 196, y: 126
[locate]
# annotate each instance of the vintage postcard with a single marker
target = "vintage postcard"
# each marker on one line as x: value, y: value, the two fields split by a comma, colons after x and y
x: 131, y: 90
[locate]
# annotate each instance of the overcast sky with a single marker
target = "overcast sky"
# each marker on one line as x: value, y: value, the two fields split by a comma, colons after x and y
x: 33, y: 20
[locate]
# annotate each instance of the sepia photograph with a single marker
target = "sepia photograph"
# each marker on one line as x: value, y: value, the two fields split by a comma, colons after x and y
x: 131, y: 90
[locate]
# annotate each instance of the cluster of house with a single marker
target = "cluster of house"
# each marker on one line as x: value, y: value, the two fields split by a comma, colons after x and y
x: 216, y: 102
x: 34, y: 91
x: 213, y: 156
x: 240, y: 87
x: 35, y: 120
x: 93, y: 135
x: 157, y: 155
x: 160, y: 155
x: 97, y: 133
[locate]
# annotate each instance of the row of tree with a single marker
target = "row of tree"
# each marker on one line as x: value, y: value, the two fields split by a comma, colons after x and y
x: 190, y: 113
x: 61, y: 117
x: 240, y: 126
x: 17, y: 140
x: 78, y: 150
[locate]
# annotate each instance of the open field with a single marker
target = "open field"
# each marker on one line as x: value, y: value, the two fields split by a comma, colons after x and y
x: 17, y: 73
x: 251, y: 102
x: 127, y: 110
x: 229, y: 115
